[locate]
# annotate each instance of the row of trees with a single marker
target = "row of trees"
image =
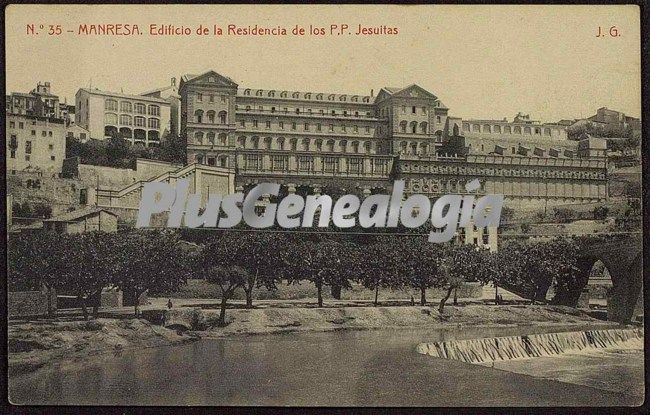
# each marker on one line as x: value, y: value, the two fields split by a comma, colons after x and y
x: 249, y: 260
x: 135, y: 261
x: 84, y: 264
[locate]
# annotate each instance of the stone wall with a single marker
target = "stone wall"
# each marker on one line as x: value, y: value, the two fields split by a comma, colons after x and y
x: 28, y: 303
x: 59, y: 193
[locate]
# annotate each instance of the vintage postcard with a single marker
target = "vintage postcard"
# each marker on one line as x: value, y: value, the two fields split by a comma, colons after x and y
x: 314, y: 205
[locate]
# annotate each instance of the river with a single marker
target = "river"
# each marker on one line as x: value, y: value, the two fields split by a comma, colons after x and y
x: 349, y: 368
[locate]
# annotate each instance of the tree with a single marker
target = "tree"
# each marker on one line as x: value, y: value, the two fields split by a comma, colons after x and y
x: 414, y: 262
x: 257, y: 254
x: 149, y: 260
x: 372, y: 271
x: 35, y: 261
x: 536, y: 266
x: 462, y: 263
x: 600, y: 212
x: 563, y: 215
x: 228, y: 278
x: 320, y: 260
x: 90, y: 259
x: 42, y: 211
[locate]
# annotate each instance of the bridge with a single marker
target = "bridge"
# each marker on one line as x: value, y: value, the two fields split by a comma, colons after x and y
x: 623, y: 258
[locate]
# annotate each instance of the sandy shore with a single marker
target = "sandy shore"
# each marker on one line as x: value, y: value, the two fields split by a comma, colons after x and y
x: 35, y: 344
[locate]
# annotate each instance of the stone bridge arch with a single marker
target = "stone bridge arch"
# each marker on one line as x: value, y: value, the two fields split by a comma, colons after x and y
x: 624, y: 262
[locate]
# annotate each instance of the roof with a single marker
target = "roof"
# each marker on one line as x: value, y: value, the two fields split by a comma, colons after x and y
x: 78, y: 214
x: 189, y: 77
x: 120, y: 95
x: 22, y: 94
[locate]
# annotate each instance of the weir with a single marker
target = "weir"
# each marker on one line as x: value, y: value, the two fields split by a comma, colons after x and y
x: 535, y: 345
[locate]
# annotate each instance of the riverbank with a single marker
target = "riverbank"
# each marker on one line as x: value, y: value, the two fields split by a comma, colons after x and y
x: 285, y: 320
x: 35, y: 344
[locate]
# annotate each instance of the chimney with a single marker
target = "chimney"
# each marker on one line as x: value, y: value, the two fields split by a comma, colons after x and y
x: 372, y: 92
x: 173, y: 81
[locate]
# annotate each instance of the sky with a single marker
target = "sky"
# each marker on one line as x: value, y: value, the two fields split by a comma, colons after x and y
x: 482, y: 61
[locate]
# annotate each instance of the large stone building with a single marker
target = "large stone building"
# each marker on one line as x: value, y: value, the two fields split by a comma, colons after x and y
x: 169, y: 93
x: 40, y: 102
x: 320, y: 140
x: 137, y: 118
x: 35, y: 144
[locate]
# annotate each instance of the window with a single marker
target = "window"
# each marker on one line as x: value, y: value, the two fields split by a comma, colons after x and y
x: 210, y: 115
x: 27, y: 157
x: 44, y: 133
x: 305, y: 163
x: 154, y: 110
x: 52, y: 158
x: 110, y: 105
x: 125, y: 106
x: 14, y: 142
x: 154, y: 123
x: 413, y: 110
x: 199, y: 96
x: 49, y: 133
x: 281, y: 125
x: 223, y: 99
x: 12, y: 124
x: 318, y: 127
x: 330, y: 164
x: 356, y: 129
x: 272, y: 109
x: 486, y: 236
x: 268, y: 125
x: 21, y: 125
x: 343, y: 128
x: 125, y: 120
x: 355, y: 165
x: 367, y: 130
x: 254, y: 123
x: 28, y: 147
x: 379, y: 166
x: 211, y: 98
x: 306, y: 126
x: 13, y: 154
x: 279, y: 163
x: 403, y: 109
x: 51, y: 147
x: 331, y: 127
x: 33, y: 132
x: 222, y: 117
x: 293, y: 125
x: 242, y: 123
x: 140, y: 108
x: 139, y: 121
x: 424, y: 110
x: 110, y: 118
x: 252, y: 162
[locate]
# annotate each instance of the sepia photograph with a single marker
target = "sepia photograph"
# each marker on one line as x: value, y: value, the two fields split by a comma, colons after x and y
x: 324, y: 205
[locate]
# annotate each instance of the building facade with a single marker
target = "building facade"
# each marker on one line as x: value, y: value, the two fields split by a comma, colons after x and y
x: 320, y: 140
x: 35, y: 143
x: 40, y: 102
x: 136, y: 118
x: 170, y: 94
